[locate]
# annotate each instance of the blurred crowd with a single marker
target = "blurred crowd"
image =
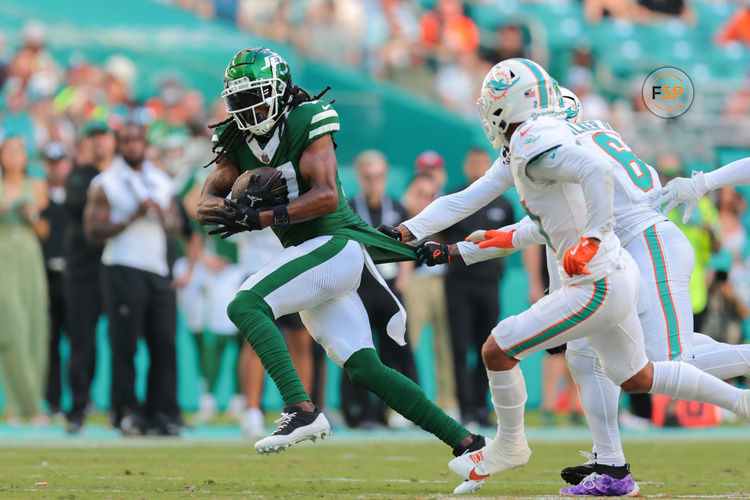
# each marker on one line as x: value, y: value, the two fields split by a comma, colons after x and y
x: 437, y: 47
x: 77, y: 150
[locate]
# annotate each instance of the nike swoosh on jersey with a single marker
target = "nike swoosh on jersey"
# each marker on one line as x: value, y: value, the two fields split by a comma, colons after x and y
x: 326, y: 106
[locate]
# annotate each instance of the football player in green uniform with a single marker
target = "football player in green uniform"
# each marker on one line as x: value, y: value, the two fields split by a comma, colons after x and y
x: 326, y: 245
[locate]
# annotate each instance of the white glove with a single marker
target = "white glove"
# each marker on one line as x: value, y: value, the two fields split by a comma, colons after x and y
x: 471, y: 253
x: 476, y: 236
x: 681, y: 190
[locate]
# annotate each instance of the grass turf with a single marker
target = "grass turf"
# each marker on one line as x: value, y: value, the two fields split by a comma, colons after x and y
x: 340, y: 469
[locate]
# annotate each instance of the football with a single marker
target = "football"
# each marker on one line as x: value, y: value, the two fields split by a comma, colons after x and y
x: 243, y: 181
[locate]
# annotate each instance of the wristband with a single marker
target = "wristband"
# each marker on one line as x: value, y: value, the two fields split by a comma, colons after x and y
x: 280, y: 215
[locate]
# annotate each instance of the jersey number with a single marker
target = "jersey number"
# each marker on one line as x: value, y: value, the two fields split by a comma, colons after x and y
x: 288, y: 174
x: 634, y: 166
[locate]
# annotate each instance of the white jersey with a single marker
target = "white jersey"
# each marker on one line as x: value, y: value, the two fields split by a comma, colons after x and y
x: 567, y: 192
x: 634, y: 180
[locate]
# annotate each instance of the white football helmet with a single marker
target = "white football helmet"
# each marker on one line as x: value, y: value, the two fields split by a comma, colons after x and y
x: 573, y: 107
x: 516, y: 90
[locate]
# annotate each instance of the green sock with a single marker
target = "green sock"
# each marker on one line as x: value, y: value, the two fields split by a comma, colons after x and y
x: 398, y: 392
x: 254, y: 319
x: 214, y: 353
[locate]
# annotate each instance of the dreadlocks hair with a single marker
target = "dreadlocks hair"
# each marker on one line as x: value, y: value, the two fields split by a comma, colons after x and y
x: 231, y: 137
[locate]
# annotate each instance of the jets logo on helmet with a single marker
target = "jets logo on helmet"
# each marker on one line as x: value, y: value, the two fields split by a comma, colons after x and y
x: 572, y: 105
x: 256, y: 85
x: 516, y: 90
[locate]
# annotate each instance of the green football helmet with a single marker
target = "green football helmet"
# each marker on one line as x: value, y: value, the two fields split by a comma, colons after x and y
x: 256, y: 78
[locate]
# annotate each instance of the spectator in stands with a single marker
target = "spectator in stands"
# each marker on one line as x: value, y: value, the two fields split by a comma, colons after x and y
x: 23, y: 295
x: 508, y: 42
x: 700, y: 230
x: 330, y: 33
x: 431, y: 164
x: 637, y: 10
x: 457, y: 84
x: 376, y: 207
x: 725, y: 311
x: 654, y: 10
x: 206, y: 280
x: 58, y: 168
x: 425, y: 298
x: 254, y: 250
x: 580, y: 80
x: 737, y: 28
x: 269, y: 19
x: 446, y: 31
x: 83, y: 304
x: 475, y: 308
x: 731, y: 205
x: 130, y: 209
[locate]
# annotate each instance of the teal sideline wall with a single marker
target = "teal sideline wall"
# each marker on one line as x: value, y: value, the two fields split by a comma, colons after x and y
x: 165, y: 41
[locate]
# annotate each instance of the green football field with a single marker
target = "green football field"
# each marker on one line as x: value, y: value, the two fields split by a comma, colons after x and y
x: 345, y: 468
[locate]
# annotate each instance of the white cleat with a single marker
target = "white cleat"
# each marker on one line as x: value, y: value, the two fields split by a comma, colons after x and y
x: 295, y: 426
x: 468, y: 486
x: 743, y: 405
x: 474, y: 466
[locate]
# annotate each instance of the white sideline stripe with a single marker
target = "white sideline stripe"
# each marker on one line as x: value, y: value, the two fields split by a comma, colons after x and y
x: 322, y: 116
x: 389, y: 495
x: 323, y: 129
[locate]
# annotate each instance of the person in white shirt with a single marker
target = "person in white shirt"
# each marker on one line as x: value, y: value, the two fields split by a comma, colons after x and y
x: 130, y: 209
x: 568, y: 192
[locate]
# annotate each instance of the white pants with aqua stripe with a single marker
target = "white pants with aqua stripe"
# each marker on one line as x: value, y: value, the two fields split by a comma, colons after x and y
x: 665, y: 261
x: 602, y: 312
x: 319, y: 279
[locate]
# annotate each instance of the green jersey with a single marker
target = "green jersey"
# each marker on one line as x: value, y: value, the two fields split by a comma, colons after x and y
x: 305, y: 124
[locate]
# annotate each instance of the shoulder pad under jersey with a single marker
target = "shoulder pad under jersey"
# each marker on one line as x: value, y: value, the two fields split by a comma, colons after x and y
x: 534, y: 138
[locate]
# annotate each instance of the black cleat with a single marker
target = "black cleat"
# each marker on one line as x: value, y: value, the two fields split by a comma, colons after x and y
x: 477, y: 443
x: 295, y: 426
x: 574, y: 475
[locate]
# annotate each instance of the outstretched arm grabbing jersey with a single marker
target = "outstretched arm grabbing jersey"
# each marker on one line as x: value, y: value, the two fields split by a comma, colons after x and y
x: 689, y: 191
x: 480, y: 245
x: 447, y: 210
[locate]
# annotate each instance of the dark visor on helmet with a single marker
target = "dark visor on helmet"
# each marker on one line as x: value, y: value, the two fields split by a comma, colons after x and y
x: 244, y: 99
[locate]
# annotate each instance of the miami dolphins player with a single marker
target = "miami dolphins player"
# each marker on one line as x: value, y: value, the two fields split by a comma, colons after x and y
x: 326, y: 245
x: 568, y: 192
x: 664, y: 259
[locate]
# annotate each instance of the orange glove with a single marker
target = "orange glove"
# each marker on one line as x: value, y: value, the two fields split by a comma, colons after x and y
x: 576, y: 258
x: 496, y: 238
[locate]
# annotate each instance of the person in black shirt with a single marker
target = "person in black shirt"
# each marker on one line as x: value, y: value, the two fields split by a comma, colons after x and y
x: 474, y: 308
x: 58, y: 167
x: 376, y: 207
x: 83, y: 306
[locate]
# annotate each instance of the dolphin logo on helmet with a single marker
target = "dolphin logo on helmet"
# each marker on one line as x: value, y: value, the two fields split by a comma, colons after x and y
x: 500, y: 83
x: 572, y: 105
x: 516, y: 90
